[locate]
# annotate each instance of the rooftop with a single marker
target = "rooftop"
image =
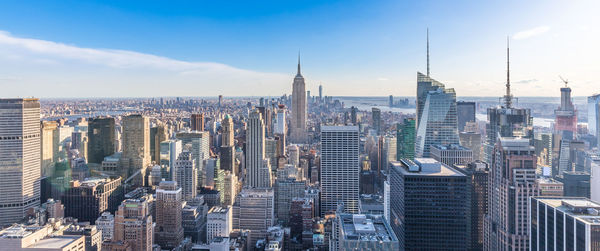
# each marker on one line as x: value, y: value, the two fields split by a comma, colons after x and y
x: 580, y: 208
x: 55, y: 242
x: 425, y: 166
x: 366, y: 227
x: 451, y: 147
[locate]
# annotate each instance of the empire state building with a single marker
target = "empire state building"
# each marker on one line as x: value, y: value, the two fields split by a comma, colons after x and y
x: 298, y: 125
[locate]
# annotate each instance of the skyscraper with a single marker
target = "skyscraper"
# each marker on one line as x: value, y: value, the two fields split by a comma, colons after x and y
x: 405, y: 139
x: 197, y: 122
x: 186, y: 175
x: 298, y: 121
x: 254, y: 210
x: 339, y: 168
x: 198, y: 143
x: 512, y: 180
x: 466, y: 113
x: 20, y: 158
x: 430, y: 206
x: 133, y: 225
x: 376, y: 113
x: 101, y: 135
x: 320, y: 93
x: 593, y: 112
x: 477, y: 175
x: 566, y: 115
x: 48, y: 132
x: 160, y: 134
x: 136, y: 143
x: 506, y: 120
x: 437, y: 118
x: 227, y: 150
x: 169, y: 232
x: 86, y: 200
x: 218, y: 222
x: 257, y: 166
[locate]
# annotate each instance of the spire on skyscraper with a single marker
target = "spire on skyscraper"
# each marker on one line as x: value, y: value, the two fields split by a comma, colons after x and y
x: 427, y: 52
x: 508, y: 96
x: 298, y: 74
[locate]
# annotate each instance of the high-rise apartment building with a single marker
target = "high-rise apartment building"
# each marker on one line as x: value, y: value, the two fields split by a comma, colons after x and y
x: 87, y: 200
x: 430, y: 207
x: 136, y: 143
x: 186, y: 175
x: 254, y: 210
x: 436, y: 115
x: 512, y: 180
x: 339, y: 168
x: 101, y: 139
x: 20, y: 158
x: 563, y: 223
x: 219, y: 222
x: 405, y: 139
x: 466, y: 113
x: 197, y: 122
x: 257, y: 166
x: 133, y: 225
x: 298, y: 120
x: 168, y: 206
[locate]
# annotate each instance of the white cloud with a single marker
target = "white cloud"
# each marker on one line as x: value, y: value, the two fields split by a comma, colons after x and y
x: 531, y: 32
x: 130, y: 70
x: 382, y: 79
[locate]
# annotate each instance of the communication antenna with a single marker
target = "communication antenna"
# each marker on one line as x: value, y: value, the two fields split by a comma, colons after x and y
x: 566, y: 81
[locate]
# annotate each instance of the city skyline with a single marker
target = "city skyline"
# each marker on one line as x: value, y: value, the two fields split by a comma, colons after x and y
x: 151, y: 50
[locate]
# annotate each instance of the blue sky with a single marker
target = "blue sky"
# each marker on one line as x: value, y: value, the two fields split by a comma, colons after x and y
x: 205, y: 48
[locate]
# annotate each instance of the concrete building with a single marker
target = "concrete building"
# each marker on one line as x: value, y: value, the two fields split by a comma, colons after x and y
x: 136, y: 143
x: 472, y: 141
x: 106, y: 224
x: 442, y: 221
x: 227, y: 150
x: 133, y: 225
x: 478, y: 174
x: 563, y: 223
x: 254, y: 210
x: 566, y: 114
x: 186, y: 175
x: 219, y: 222
x: 339, y: 168
x: 20, y: 158
x: 257, y: 165
x: 87, y: 200
x: 197, y: 122
x: 26, y: 238
x: 285, y: 191
x: 168, y: 229
x: 169, y: 152
x: 550, y: 187
x: 362, y: 232
x: 512, y: 182
x: 48, y: 133
x: 298, y: 112
x: 576, y: 184
x: 198, y: 143
x: 452, y: 154
x: 101, y: 139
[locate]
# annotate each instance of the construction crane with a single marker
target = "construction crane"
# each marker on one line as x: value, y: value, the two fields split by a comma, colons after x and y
x: 566, y: 81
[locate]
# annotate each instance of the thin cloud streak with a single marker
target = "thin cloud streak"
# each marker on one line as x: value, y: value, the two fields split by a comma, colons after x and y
x: 531, y: 32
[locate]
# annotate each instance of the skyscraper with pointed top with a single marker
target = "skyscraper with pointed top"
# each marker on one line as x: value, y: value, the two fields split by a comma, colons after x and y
x: 298, y: 125
x: 437, y: 120
x: 506, y: 120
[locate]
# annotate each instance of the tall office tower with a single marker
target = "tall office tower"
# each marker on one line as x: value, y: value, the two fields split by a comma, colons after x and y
x: 169, y: 152
x: 271, y: 153
x: 437, y: 118
x: 298, y: 121
x: 229, y: 189
x: 390, y: 151
x: 136, y: 143
x: 564, y: 223
x: 362, y: 232
x: 566, y: 114
x: 506, y: 120
x: 405, y: 139
x: 254, y: 210
x: 593, y: 112
x: 158, y: 134
x: 198, y: 142
x: 186, y: 175
x: 576, y: 184
x: 391, y: 101
x: 320, y: 93
x: 220, y: 100
x: 511, y: 183
x: 227, y: 131
x: 472, y: 141
x: 280, y: 123
x: 101, y: 139
x: 79, y: 142
x: 258, y: 170
x: 227, y: 150
x: 386, y: 199
x: 106, y: 224
x: 339, y: 168
x: 477, y: 175
x: 440, y: 222
x: 543, y: 143
x: 86, y: 200
x: 133, y: 225
x: 466, y: 113
x: 219, y: 222
x: 294, y: 155
x: 168, y: 206
x: 452, y: 154
x: 197, y: 122
x: 376, y: 113
x: 353, y: 118
x: 20, y: 158
x: 48, y: 132
x: 301, y: 215
x: 285, y: 190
